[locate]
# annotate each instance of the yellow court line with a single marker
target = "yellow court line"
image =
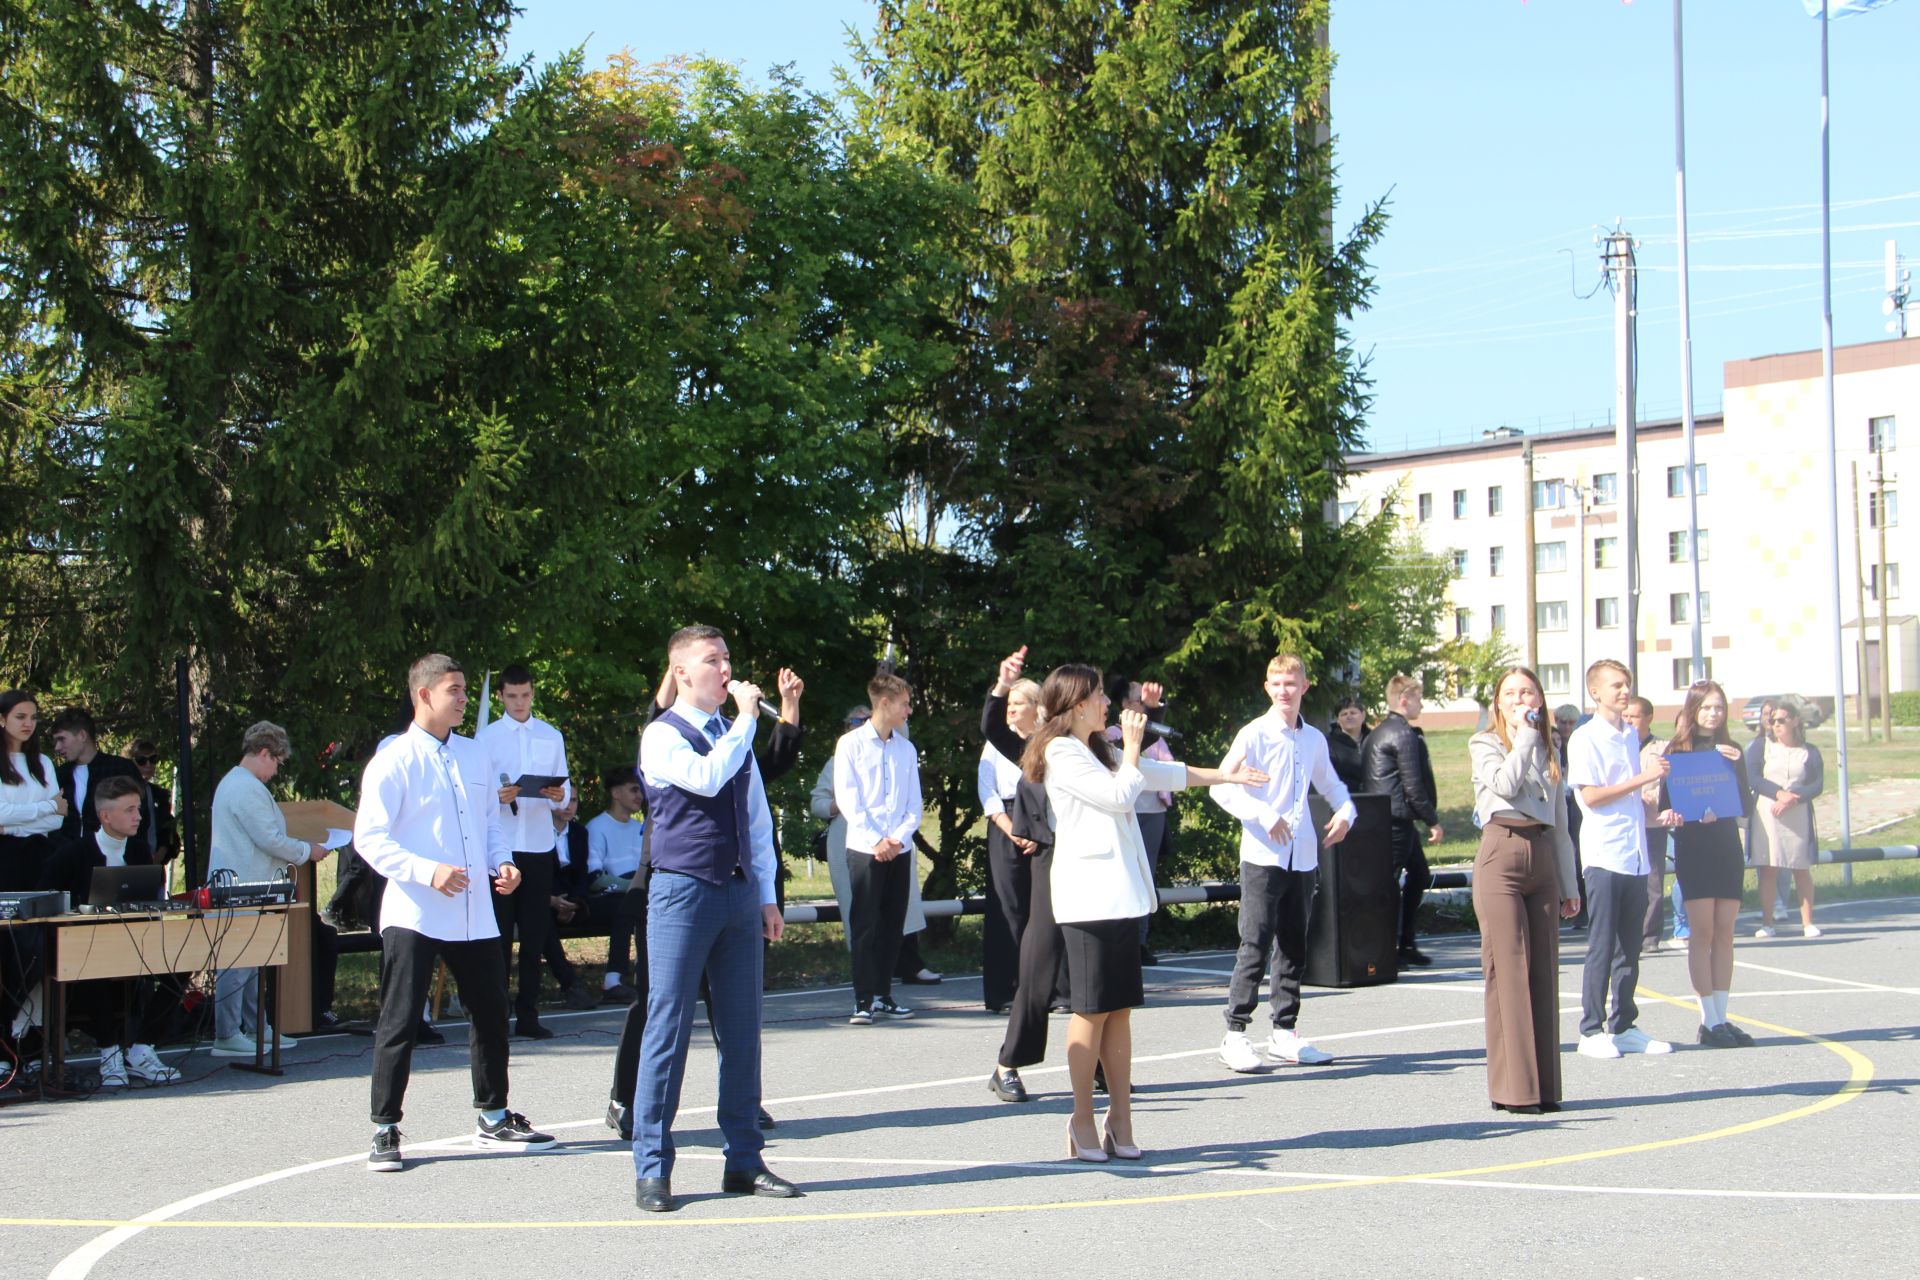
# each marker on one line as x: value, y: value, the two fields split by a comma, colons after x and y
x: 1859, y: 1074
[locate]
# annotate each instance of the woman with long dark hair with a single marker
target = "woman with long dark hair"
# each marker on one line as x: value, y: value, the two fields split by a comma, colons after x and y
x: 1524, y: 883
x: 1102, y: 885
x: 31, y: 806
x: 1709, y: 863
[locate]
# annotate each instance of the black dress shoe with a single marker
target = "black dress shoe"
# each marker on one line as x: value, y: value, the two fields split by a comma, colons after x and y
x: 1737, y: 1035
x: 532, y: 1031
x: 757, y: 1182
x: 1717, y: 1038
x: 653, y: 1195
x: 429, y: 1034
x: 620, y: 1120
x: 1525, y: 1109
x: 1148, y: 958
x: 1415, y: 956
x: 766, y: 1121
x: 1007, y: 1086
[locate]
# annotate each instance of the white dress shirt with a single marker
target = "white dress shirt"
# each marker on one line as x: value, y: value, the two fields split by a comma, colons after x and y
x: 424, y: 802
x: 516, y: 748
x: 1294, y: 758
x: 995, y: 781
x: 667, y: 759
x: 26, y: 806
x: 1613, y: 836
x: 876, y: 783
x: 1100, y: 867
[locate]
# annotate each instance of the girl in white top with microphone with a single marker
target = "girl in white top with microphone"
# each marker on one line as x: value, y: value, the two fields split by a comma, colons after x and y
x: 1102, y: 885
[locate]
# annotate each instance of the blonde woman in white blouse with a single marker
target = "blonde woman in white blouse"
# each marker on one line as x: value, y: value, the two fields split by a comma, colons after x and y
x: 1102, y: 886
x: 31, y: 806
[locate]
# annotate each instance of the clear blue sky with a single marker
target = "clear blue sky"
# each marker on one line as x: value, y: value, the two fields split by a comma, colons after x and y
x: 1508, y: 133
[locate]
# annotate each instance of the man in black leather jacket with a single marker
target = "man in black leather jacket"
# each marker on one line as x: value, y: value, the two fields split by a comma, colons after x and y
x: 1396, y: 765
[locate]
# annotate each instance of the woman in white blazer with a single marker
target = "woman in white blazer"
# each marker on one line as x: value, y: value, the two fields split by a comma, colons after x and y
x: 1102, y: 885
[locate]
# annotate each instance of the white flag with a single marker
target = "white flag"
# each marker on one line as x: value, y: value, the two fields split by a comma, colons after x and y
x: 1841, y: 8
x: 486, y: 703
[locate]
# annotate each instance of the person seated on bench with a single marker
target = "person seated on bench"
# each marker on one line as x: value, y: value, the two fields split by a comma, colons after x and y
x: 613, y: 858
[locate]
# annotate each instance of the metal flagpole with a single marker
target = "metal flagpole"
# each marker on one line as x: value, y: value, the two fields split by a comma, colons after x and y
x: 1829, y: 458
x: 1686, y: 338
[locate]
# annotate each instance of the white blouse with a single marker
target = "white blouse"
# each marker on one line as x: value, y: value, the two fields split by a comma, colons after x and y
x: 26, y: 806
x: 1100, y: 868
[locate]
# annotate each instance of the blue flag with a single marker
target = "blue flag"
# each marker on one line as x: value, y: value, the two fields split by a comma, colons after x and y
x: 1841, y: 8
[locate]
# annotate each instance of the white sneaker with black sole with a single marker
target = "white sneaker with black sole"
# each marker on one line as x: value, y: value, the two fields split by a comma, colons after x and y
x: 512, y: 1133
x: 888, y: 1008
x: 385, y: 1155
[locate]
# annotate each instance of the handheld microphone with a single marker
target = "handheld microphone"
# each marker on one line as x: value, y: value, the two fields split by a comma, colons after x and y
x: 1535, y: 719
x: 766, y: 708
x: 1165, y: 731
x: 514, y: 805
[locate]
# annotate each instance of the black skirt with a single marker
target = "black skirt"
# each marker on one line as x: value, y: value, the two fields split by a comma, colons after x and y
x: 1707, y: 860
x: 1103, y: 964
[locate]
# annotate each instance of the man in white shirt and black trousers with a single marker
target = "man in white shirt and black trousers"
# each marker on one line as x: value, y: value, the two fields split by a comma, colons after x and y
x: 710, y: 901
x: 876, y: 785
x: 1279, y: 861
x: 429, y: 821
x: 518, y: 744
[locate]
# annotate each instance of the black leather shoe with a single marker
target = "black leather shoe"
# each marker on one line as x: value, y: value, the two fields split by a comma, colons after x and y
x: 1007, y: 1086
x: 1415, y: 956
x: 1148, y: 958
x: 1717, y: 1038
x: 429, y: 1034
x: 1525, y: 1109
x: 653, y: 1194
x: 532, y: 1031
x: 620, y: 1120
x: 1739, y: 1037
x: 766, y: 1120
x: 757, y: 1182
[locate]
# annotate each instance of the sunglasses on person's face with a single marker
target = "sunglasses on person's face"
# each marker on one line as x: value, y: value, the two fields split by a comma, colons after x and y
x: 146, y: 760
x: 1781, y: 720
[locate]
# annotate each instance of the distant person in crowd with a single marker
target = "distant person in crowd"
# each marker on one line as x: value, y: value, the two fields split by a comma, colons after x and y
x: 429, y: 821
x: 1396, y: 764
x: 1009, y: 718
x: 614, y: 841
x: 1346, y: 740
x: 1639, y: 714
x: 1009, y: 860
x: 1708, y: 860
x: 1523, y: 885
x: 1754, y: 753
x: 76, y: 740
x: 250, y: 840
x: 876, y: 785
x: 822, y: 805
x: 1155, y: 808
x: 1279, y: 862
x: 1790, y: 775
x: 33, y: 808
x: 111, y: 1009
x: 1566, y: 717
x: 164, y: 837
x: 567, y: 900
x: 1604, y: 769
x: 518, y: 745
x: 1101, y: 887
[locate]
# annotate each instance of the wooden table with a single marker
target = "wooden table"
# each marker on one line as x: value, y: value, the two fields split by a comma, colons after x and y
x: 85, y: 947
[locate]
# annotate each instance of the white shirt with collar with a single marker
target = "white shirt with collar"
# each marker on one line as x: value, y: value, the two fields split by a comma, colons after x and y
x: 424, y: 802
x: 667, y: 759
x: 876, y: 783
x: 995, y: 781
x: 1294, y: 758
x: 1613, y: 836
x: 516, y: 748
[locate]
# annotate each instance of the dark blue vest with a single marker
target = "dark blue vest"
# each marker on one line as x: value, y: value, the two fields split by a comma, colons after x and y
x: 701, y: 836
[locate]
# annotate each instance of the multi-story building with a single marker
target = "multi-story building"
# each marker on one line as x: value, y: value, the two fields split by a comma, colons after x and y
x: 1533, y: 527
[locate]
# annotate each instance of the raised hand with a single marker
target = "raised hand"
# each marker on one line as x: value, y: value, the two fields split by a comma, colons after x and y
x: 1010, y: 668
x: 1151, y: 694
x: 1133, y: 732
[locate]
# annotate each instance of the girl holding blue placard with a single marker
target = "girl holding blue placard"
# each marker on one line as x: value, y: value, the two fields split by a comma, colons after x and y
x: 1709, y: 864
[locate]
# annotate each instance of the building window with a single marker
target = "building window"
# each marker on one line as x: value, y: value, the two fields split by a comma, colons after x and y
x: 1880, y: 436
x: 1549, y: 557
x: 1606, y: 489
x: 1496, y: 562
x: 1679, y: 605
x: 1550, y: 615
x: 1496, y: 500
x: 1459, y: 504
x: 1462, y: 623
x: 1606, y: 612
x: 1556, y: 677
x: 1677, y: 480
x: 1606, y: 553
x: 1459, y: 559
x: 1549, y: 495
x: 1497, y: 619
x: 1347, y: 511
x: 1885, y: 503
x: 1423, y: 505
x: 1677, y: 546
x: 1683, y: 672
x: 1892, y: 577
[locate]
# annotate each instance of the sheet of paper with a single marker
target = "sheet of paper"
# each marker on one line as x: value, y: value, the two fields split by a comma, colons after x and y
x: 336, y: 837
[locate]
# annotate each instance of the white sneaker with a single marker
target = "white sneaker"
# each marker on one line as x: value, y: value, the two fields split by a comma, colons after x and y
x: 1634, y: 1040
x: 144, y: 1064
x: 265, y: 1037
x: 237, y: 1045
x: 1598, y: 1045
x: 1236, y: 1052
x: 1674, y: 944
x: 113, y: 1068
x: 1285, y: 1045
x: 1810, y: 931
x: 1764, y: 931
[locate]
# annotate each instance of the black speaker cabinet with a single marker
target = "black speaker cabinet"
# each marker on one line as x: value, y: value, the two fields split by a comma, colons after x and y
x: 1353, y: 935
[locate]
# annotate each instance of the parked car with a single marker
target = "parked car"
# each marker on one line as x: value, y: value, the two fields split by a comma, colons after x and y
x: 1812, y: 714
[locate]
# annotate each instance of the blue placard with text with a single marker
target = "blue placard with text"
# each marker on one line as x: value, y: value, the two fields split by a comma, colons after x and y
x: 1703, y: 783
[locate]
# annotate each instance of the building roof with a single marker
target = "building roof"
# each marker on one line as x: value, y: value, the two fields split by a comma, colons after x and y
x: 1507, y: 441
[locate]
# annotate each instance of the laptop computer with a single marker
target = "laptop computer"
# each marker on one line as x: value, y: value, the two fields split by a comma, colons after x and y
x: 115, y: 885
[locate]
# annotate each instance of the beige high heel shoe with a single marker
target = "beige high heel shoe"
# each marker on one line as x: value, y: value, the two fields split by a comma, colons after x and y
x: 1120, y: 1150
x: 1092, y: 1155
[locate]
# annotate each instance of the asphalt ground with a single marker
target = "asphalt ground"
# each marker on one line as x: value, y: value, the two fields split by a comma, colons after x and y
x: 1793, y: 1156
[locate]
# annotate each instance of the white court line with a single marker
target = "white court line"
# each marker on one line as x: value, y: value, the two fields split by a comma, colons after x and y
x: 1820, y: 977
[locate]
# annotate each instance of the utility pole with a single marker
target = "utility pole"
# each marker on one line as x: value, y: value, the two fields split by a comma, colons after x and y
x: 1686, y: 339
x: 1622, y: 278
x: 1880, y: 551
x: 1579, y: 490
x: 1864, y: 706
x: 1526, y: 557
x: 1899, y: 284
